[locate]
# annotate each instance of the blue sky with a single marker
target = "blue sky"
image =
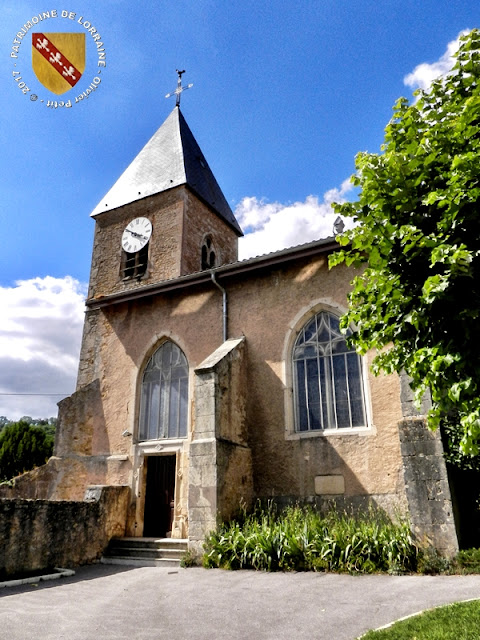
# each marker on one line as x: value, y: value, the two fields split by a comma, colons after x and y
x: 285, y: 94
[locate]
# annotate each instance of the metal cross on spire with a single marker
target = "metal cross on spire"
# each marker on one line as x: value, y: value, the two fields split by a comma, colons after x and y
x: 179, y: 89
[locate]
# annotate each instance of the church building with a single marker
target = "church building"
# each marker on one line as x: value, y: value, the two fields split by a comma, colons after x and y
x: 206, y: 382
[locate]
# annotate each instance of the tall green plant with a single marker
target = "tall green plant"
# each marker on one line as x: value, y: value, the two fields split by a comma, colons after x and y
x: 300, y: 539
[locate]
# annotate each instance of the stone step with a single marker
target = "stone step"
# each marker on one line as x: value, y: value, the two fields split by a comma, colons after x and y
x: 140, y: 562
x: 145, y: 552
x: 151, y: 543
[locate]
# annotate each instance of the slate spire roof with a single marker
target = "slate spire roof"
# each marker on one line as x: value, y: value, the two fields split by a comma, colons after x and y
x: 170, y: 158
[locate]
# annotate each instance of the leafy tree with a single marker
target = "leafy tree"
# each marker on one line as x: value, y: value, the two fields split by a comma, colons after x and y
x: 22, y: 447
x: 38, y: 422
x: 48, y: 425
x: 3, y: 422
x: 417, y: 299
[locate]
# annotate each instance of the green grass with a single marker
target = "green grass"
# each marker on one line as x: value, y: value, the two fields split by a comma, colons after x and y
x: 460, y: 621
x: 300, y: 539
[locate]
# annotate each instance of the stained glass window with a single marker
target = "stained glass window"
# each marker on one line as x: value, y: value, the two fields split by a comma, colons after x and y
x: 164, y: 399
x: 328, y: 379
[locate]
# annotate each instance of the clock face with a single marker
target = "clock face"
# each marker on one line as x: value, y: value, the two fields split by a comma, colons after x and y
x: 136, y: 235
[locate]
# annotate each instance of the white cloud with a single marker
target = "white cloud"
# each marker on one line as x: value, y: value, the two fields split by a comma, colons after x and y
x: 40, y: 338
x: 424, y: 74
x: 272, y: 226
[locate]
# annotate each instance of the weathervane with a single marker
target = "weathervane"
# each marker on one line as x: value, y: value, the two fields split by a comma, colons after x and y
x: 179, y: 89
x: 338, y: 226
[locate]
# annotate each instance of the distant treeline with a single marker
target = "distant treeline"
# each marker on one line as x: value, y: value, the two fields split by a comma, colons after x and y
x: 24, y: 444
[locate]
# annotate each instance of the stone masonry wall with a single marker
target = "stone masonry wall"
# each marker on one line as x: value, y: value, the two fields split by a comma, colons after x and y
x: 220, y: 471
x: 180, y: 222
x: 42, y: 534
x: 91, y: 342
x: 165, y: 211
x: 427, y: 488
x: 199, y: 220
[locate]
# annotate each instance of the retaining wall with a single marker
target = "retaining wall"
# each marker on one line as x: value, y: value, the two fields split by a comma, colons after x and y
x: 41, y: 534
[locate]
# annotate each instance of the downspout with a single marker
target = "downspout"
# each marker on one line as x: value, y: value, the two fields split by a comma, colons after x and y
x: 224, y: 306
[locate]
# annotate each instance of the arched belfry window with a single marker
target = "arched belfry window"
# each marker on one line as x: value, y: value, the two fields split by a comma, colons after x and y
x: 164, y: 395
x: 328, y: 380
x: 209, y: 257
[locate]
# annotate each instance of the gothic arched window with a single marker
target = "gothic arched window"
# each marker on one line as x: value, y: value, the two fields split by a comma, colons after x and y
x: 328, y: 380
x: 164, y: 395
x: 209, y: 257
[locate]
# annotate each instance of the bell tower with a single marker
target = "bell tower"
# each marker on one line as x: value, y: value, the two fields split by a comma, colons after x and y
x: 165, y: 217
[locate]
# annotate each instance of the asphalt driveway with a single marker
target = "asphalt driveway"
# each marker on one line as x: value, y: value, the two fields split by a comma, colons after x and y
x: 107, y: 603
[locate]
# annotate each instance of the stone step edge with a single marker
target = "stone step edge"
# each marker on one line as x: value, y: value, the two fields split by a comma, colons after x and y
x: 139, y: 557
x: 140, y: 562
x: 132, y: 545
x: 167, y: 541
x: 115, y: 551
x: 147, y: 544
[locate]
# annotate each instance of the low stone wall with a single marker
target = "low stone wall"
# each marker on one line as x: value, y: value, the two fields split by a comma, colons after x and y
x: 40, y: 534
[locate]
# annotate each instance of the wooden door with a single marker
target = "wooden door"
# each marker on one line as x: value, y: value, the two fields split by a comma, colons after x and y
x: 159, y: 497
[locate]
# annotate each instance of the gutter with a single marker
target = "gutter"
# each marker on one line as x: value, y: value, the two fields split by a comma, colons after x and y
x: 224, y: 306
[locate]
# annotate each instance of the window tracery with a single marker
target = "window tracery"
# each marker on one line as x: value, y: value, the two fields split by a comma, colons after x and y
x: 209, y: 256
x: 328, y: 378
x: 164, y: 395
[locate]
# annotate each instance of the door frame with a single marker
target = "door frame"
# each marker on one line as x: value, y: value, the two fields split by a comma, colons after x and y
x: 154, y: 499
x: 143, y: 450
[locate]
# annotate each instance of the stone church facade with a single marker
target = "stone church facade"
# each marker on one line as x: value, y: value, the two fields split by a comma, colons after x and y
x: 206, y: 382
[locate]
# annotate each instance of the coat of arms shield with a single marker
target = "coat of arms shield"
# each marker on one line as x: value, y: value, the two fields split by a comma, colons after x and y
x: 58, y: 59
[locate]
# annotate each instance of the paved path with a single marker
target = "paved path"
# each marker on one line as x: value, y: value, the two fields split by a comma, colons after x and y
x: 117, y: 603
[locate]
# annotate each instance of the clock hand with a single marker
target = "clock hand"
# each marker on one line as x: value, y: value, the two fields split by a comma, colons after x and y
x: 137, y: 235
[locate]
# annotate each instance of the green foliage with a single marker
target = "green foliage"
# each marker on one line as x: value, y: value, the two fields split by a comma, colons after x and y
x: 468, y: 561
x: 23, y: 447
x: 48, y: 425
x: 455, y: 621
x: 430, y: 562
x: 417, y: 301
x: 452, y: 438
x: 299, y: 539
x: 188, y: 560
